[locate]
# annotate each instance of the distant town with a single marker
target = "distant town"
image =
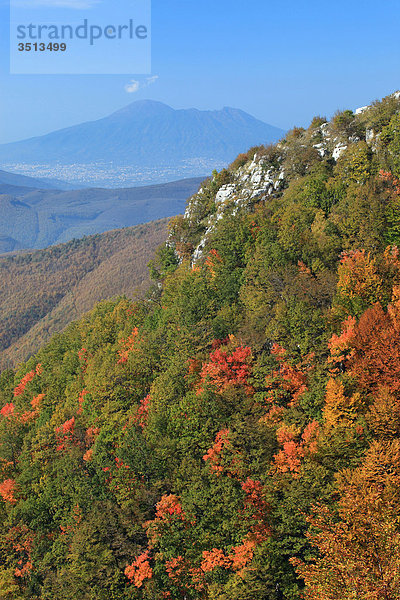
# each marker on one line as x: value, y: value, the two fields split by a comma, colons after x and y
x: 109, y: 175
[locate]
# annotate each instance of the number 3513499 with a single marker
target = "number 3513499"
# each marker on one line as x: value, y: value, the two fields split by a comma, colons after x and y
x: 42, y: 47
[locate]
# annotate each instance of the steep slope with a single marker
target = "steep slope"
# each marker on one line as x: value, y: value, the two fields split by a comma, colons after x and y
x: 40, y: 218
x: 43, y: 291
x: 235, y: 433
x: 147, y: 133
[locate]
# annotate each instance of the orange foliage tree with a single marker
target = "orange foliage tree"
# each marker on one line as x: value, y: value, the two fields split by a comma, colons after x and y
x: 65, y: 433
x: 359, y: 544
x: 21, y: 541
x: 7, y: 410
x: 389, y: 178
x: 288, y: 383
x: 127, y: 346
x: 7, y: 489
x: 213, y: 455
x: 373, y: 346
x: 139, y: 570
x: 364, y: 280
x: 289, y: 458
x: 340, y: 409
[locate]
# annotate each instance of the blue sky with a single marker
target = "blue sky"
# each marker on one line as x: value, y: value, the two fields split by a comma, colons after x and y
x: 282, y: 61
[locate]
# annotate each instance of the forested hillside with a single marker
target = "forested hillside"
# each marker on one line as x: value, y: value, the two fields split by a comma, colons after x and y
x: 43, y: 291
x: 234, y: 435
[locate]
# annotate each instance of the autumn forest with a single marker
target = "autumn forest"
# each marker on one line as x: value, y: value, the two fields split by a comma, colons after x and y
x: 234, y: 434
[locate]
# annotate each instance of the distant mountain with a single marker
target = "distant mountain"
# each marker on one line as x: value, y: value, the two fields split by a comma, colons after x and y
x: 45, y: 290
x: 39, y: 218
x: 147, y: 134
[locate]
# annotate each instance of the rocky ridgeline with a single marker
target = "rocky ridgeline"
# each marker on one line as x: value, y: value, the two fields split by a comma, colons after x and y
x: 267, y: 171
x: 334, y: 146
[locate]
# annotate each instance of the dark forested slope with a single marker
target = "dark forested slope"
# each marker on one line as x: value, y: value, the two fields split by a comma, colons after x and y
x: 235, y: 435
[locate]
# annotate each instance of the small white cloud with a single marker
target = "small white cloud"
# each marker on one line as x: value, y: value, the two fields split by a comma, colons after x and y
x: 133, y: 86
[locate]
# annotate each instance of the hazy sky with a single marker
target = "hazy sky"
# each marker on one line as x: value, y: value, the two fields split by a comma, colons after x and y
x: 282, y: 61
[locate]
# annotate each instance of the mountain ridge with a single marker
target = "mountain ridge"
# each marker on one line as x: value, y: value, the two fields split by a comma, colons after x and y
x: 146, y: 133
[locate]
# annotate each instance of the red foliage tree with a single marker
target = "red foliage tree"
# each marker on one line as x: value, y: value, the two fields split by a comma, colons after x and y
x: 19, y: 390
x: 227, y: 369
x: 81, y: 400
x: 289, y: 458
x: 84, y: 357
x: 65, y: 433
x: 21, y: 540
x: 168, y: 506
x: 7, y: 410
x: 143, y: 412
x: 256, y: 510
x: 213, y: 455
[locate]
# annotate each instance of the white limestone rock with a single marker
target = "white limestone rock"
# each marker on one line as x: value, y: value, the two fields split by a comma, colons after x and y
x: 322, y: 151
x: 338, y: 151
x: 225, y: 192
x: 257, y: 176
x: 324, y: 128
